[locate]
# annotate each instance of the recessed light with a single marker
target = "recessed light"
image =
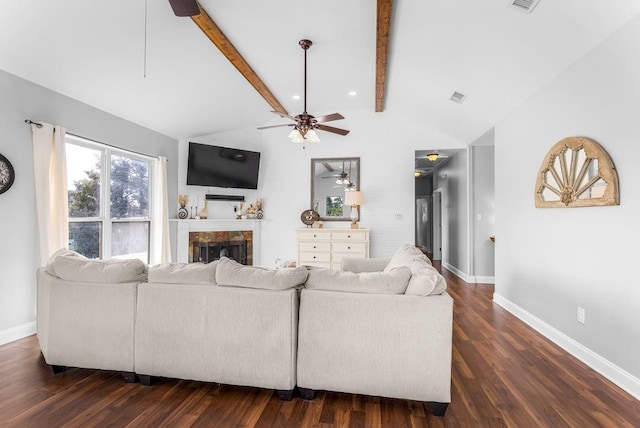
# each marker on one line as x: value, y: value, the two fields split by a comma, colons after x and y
x: 353, y: 93
x: 296, y: 97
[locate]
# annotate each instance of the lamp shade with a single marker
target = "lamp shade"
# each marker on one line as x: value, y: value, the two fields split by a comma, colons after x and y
x: 353, y: 198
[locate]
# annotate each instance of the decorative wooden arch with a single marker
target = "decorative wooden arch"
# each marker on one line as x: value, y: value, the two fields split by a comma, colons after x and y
x: 576, y: 172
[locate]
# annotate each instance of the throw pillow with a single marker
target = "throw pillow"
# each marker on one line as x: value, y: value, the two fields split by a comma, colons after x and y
x: 404, y: 256
x: 392, y: 282
x: 231, y: 273
x: 76, y: 269
x: 183, y: 273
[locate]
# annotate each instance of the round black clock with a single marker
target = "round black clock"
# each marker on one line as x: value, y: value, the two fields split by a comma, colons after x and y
x: 308, y: 217
x: 7, y: 174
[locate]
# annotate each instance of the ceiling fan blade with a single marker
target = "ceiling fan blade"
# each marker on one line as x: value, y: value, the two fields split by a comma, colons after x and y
x: 329, y: 117
x: 185, y: 7
x: 332, y: 129
x: 276, y: 126
x: 279, y: 113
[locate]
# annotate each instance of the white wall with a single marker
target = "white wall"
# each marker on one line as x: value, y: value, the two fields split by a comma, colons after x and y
x: 386, y: 147
x: 20, y: 100
x: 550, y: 261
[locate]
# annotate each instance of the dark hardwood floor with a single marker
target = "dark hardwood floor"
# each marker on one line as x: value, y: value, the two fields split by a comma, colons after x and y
x: 504, y: 374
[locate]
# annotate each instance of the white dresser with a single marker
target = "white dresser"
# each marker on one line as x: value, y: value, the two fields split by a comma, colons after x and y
x: 327, y: 247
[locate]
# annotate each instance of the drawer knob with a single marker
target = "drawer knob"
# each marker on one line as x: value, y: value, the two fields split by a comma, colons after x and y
x: 348, y: 236
x: 314, y: 257
x: 348, y: 248
x: 314, y: 246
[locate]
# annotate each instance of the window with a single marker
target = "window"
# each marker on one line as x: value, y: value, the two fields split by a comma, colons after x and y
x: 109, y: 201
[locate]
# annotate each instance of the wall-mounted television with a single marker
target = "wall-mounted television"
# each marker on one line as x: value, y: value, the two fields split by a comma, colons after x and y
x: 216, y: 166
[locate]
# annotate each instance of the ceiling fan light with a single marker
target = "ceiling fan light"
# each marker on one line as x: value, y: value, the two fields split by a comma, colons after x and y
x: 296, y: 136
x: 311, y: 136
x: 417, y: 174
x: 432, y: 157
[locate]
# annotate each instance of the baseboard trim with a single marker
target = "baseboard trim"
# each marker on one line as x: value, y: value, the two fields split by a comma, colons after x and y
x: 606, y: 368
x: 457, y: 272
x: 18, y: 332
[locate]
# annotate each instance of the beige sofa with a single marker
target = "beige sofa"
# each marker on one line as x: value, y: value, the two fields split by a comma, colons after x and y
x: 86, y: 313
x: 382, y: 340
x: 241, y: 332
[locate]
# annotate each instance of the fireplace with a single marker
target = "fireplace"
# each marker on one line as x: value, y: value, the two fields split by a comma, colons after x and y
x: 205, y: 240
x: 206, y: 247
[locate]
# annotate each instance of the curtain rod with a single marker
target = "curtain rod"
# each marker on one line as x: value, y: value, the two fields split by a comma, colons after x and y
x: 39, y: 125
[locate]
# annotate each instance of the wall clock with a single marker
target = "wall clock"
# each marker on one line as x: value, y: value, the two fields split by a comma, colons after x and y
x: 7, y: 174
x: 308, y: 217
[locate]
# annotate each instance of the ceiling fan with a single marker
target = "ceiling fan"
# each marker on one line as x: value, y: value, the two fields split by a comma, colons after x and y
x: 306, y: 124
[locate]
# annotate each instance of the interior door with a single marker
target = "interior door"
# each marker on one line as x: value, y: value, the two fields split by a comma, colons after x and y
x: 437, y: 225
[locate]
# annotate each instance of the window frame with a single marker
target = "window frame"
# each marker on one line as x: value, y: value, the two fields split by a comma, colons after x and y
x: 104, y: 218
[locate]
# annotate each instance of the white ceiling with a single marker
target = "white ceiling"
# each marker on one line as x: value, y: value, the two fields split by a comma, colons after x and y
x: 93, y: 51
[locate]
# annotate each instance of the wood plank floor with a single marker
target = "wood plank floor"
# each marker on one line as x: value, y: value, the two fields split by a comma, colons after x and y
x: 504, y: 374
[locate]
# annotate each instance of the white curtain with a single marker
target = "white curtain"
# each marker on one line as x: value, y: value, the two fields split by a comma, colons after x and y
x: 160, y: 241
x: 50, y: 171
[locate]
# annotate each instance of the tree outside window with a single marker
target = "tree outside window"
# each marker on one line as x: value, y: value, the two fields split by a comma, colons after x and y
x: 334, y: 206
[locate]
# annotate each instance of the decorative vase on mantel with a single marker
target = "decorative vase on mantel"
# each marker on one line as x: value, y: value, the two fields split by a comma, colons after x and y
x: 183, y: 212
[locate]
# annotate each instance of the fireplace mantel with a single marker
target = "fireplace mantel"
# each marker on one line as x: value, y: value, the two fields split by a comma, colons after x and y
x: 186, y: 226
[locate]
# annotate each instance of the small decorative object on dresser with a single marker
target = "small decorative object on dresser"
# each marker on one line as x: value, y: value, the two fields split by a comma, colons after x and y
x: 326, y: 247
x: 183, y: 212
x: 7, y: 174
x: 259, y: 205
x: 308, y: 217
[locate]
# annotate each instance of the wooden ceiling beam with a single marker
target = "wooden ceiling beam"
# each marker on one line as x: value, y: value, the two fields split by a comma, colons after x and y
x: 382, y: 49
x: 215, y: 34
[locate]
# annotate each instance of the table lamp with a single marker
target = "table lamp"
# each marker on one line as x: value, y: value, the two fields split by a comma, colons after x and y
x: 354, y: 200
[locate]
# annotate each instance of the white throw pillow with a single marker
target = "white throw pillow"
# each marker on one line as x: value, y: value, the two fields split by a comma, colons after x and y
x: 183, y: 273
x: 392, y: 282
x: 76, y: 269
x: 406, y: 255
x: 231, y: 273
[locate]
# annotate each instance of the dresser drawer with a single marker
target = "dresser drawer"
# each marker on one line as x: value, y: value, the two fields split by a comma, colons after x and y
x: 306, y: 257
x: 349, y: 236
x: 314, y: 236
x: 315, y: 246
x: 349, y: 247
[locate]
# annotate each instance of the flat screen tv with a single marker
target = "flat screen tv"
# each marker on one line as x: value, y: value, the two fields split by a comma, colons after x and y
x: 217, y: 166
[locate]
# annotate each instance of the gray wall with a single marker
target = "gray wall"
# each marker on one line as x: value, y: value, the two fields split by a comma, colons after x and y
x: 483, y: 207
x: 549, y: 261
x: 19, y: 100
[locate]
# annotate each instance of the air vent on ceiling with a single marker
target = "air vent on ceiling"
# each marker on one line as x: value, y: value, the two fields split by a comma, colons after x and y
x: 524, y: 5
x: 457, y: 97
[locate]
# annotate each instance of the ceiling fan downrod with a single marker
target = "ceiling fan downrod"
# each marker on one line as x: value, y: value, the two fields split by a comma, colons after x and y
x: 305, y: 45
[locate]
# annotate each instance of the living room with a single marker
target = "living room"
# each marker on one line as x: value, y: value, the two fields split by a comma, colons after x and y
x: 548, y: 262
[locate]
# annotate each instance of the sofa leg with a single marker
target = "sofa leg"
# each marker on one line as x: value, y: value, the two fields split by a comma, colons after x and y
x: 438, y: 409
x: 129, y: 377
x: 307, y: 394
x: 285, y: 394
x: 58, y: 369
x: 145, y: 379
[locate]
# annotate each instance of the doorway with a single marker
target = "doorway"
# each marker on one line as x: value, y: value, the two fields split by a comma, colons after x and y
x: 436, y: 225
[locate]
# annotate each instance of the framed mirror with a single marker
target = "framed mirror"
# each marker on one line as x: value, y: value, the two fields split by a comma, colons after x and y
x: 330, y: 179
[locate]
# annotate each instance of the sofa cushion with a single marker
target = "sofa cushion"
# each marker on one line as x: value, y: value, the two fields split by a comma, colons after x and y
x: 183, y: 273
x: 77, y: 269
x: 404, y: 256
x: 60, y: 252
x: 393, y: 282
x: 231, y: 273
x: 425, y: 280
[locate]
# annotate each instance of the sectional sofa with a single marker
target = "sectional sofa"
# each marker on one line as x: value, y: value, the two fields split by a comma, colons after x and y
x: 379, y: 327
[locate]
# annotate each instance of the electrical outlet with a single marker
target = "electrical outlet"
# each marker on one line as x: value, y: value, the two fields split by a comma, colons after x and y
x: 581, y: 315
x: 397, y: 217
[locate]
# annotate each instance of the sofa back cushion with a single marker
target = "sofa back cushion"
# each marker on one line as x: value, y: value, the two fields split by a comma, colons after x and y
x: 404, y: 256
x: 393, y: 282
x: 60, y: 252
x: 78, y: 269
x: 231, y: 273
x: 183, y: 273
x: 425, y: 280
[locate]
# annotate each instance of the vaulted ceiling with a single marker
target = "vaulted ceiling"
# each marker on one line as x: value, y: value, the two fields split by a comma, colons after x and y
x: 137, y: 60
